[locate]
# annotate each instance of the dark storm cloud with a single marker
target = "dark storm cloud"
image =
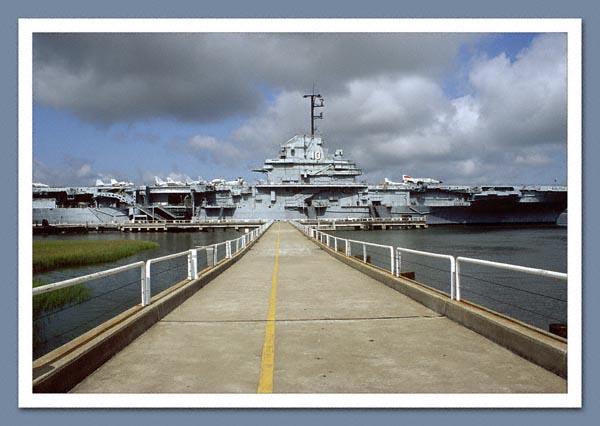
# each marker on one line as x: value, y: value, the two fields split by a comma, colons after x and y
x: 106, y: 78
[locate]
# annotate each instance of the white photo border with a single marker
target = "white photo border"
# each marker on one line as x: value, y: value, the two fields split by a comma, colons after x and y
x: 572, y: 27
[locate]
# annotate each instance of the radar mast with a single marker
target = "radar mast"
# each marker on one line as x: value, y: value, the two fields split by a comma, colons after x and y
x: 314, y: 98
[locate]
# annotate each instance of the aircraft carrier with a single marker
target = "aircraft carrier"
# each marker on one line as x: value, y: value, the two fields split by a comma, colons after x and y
x: 305, y: 181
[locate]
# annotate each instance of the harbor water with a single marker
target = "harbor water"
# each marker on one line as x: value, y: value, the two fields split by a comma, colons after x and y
x: 535, y: 300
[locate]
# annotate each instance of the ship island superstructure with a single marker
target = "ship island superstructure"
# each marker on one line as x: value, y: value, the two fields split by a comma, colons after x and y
x: 304, y: 182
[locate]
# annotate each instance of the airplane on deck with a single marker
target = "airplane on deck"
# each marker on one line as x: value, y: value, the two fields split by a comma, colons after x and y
x: 409, y: 179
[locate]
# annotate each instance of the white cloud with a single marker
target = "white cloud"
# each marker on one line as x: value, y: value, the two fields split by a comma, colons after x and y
x: 407, y: 124
x: 524, y: 102
x: 210, y: 149
x: 85, y: 171
x: 76, y: 171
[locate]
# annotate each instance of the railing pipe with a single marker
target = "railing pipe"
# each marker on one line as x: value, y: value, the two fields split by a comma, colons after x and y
x: 79, y: 280
x: 506, y: 266
x: 451, y: 259
x: 390, y: 248
x: 148, y: 292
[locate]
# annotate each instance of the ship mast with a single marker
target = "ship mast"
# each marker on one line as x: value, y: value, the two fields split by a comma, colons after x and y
x: 313, y: 104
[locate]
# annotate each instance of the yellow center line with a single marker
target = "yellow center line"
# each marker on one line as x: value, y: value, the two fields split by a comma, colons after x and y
x: 265, y: 382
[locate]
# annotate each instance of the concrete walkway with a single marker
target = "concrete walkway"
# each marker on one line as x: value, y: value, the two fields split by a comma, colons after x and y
x: 335, y: 331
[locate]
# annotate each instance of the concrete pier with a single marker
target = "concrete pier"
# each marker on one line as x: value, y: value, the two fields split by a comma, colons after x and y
x: 288, y: 318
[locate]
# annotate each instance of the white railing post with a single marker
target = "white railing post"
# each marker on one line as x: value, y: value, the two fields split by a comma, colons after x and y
x: 193, y: 265
x: 453, y: 285
x: 147, y: 288
x: 364, y: 253
x: 458, y: 280
x: 335, y: 243
x: 327, y: 239
x: 228, y: 249
x: 398, y: 260
x: 143, y: 283
x: 210, y: 258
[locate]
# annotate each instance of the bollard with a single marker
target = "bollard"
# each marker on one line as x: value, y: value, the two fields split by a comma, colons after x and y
x: 558, y: 329
x: 408, y: 274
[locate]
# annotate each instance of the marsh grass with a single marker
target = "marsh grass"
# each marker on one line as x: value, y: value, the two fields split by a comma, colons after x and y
x: 51, y: 255
x: 58, y: 298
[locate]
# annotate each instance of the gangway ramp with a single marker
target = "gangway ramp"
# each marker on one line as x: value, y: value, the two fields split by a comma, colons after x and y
x: 289, y: 318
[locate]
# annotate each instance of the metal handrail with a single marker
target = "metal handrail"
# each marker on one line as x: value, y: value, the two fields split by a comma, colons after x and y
x: 313, y: 232
x: 147, y: 290
x: 326, y: 239
x: 79, y: 280
x: 364, y: 246
x: 507, y: 266
x: 452, y: 260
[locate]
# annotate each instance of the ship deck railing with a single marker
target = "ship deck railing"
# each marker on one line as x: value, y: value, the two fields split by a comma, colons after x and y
x: 406, y: 218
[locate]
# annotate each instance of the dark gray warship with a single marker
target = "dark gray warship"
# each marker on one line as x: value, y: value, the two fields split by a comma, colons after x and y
x: 304, y: 182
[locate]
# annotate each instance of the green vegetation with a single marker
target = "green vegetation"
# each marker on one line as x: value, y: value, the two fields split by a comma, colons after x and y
x: 51, y: 255
x: 58, y: 298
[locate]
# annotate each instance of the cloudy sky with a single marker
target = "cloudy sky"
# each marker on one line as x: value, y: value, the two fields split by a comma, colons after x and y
x: 463, y: 108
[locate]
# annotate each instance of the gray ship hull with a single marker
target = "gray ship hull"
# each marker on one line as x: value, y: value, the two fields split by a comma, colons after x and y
x: 78, y: 215
x: 493, y: 213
